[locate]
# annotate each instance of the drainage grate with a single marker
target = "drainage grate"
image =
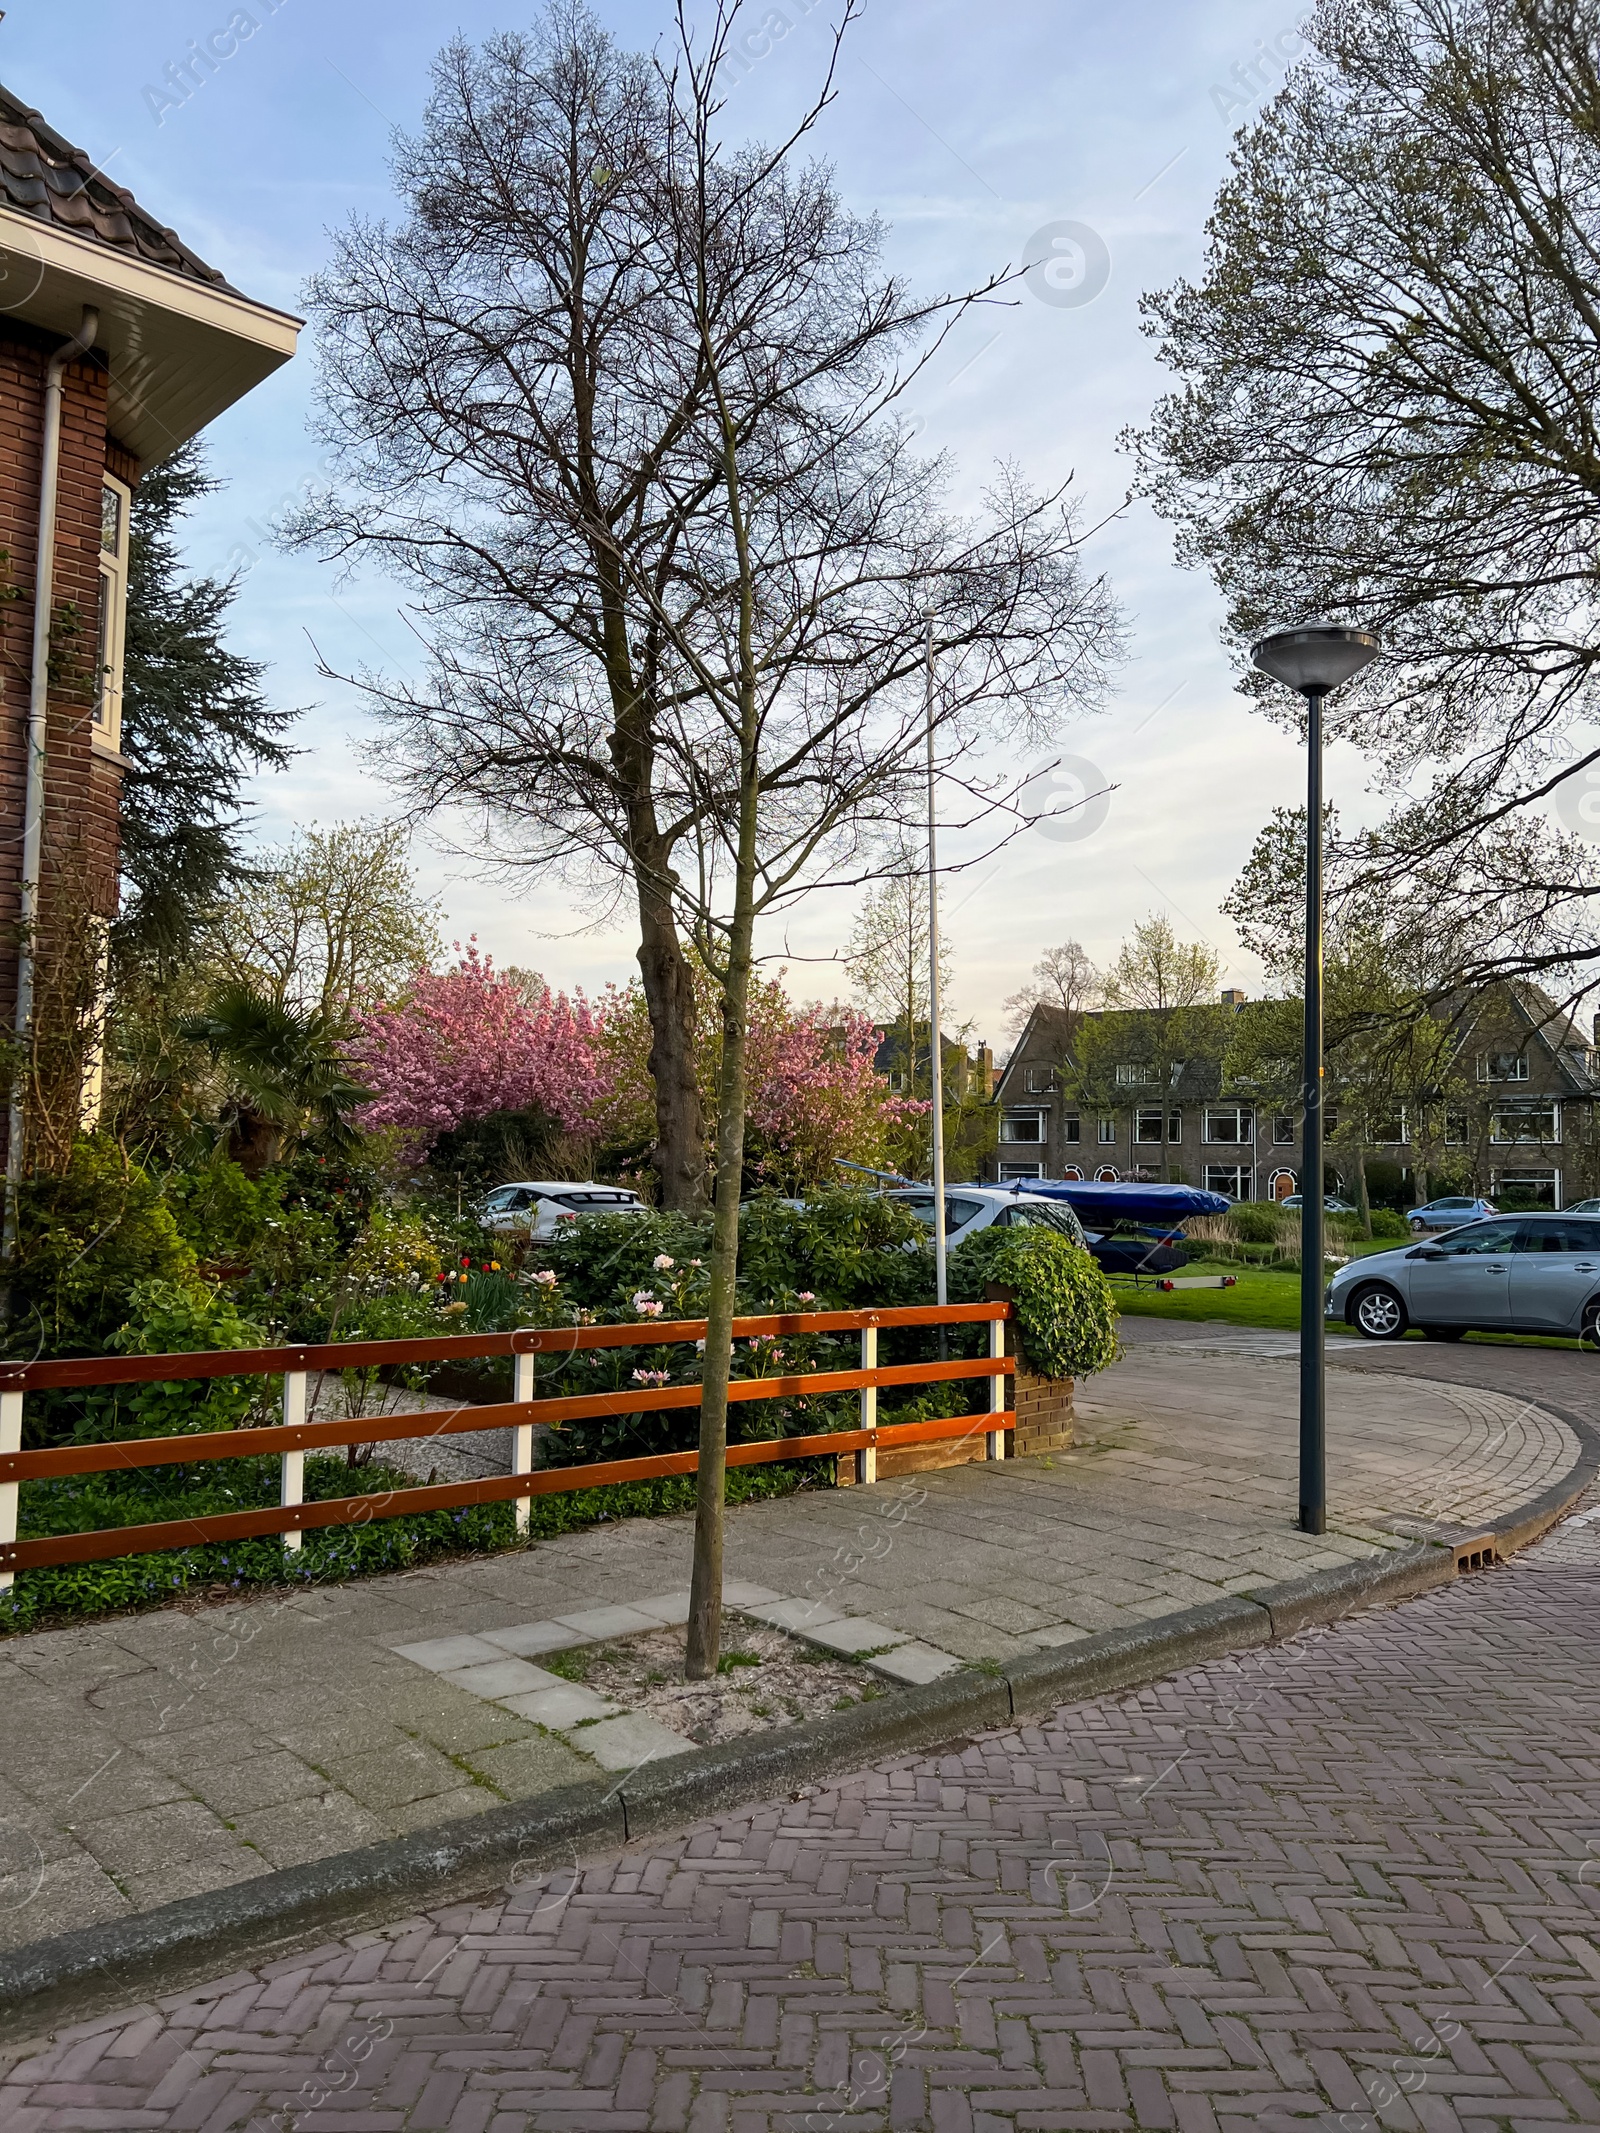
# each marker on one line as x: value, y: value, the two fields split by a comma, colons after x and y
x: 1476, y: 1555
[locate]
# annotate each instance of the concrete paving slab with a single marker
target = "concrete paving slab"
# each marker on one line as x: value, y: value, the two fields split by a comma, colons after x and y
x: 624, y: 1743
x: 914, y: 1663
x: 850, y: 1633
x: 447, y: 1655
x: 561, y: 1705
x: 526, y: 1640
x: 738, y: 1592
x: 671, y: 1609
x: 798, y: 1614
x: 501, y: 1678
x: 596, y: 1622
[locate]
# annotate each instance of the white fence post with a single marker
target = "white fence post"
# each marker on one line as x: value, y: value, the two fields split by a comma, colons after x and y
x: 996, y: 1448
x: 10, y: 1441
x: 292, y: 1491
x: 522, y: 1387
x: 867, y: 1458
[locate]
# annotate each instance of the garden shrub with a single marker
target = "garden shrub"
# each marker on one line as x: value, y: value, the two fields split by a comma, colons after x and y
x: 1261, y: 1223
x: 1066, y: 1314
x: 86, y: 1239
x: 1386, y: 1222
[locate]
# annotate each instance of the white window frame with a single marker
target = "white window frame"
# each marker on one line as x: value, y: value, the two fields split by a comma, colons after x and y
x: 1282, y: 1130
x: 1011, y: 1171
x: 1038, y: 1080
x: 1243, y: 1175
x: 1487, y: 1061
x: 1072, y: 1130
x: 1011, y: 1120
x: 1548, y: 1113
x: 111, y: 623
x: 1244, y: 1133
x: 1133, y: 1075
x: 1145, y: 1117
x: 1108, y: 1133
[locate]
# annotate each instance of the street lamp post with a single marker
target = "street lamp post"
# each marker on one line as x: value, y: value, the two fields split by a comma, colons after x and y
x: 1313, y: 660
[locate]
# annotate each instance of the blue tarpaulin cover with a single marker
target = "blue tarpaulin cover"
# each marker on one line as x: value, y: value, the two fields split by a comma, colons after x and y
x: 1158, y: 1206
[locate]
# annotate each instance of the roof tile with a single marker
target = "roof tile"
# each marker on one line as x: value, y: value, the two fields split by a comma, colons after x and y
x: 43, y: 175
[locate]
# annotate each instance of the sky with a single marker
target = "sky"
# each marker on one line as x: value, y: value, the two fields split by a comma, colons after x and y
x: 975, y: 131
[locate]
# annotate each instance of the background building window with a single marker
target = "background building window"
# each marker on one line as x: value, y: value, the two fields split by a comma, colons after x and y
x: 1147, y: 1126
x: 1524, y: 1122
x: 1502, y: 1066
x: 1389, y: 1132
x: 1230, y: 1178
x: 1022, y: 1126
x: 112, y: 621
x: 1229, y: 1125
x: 1072, y: 1129
x: 1108, y: 1132
x: 1283, y: 1132
x: 1135, y: 1076
x: 1039, y: 1080
x: 1012, y: 1171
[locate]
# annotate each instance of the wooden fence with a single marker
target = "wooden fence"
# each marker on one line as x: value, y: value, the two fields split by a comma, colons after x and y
x: 291, y: 1439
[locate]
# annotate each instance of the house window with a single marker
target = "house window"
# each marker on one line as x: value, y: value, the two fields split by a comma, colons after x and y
x: 1455, y: 1129
x: 1147, y: 1126
x: 1388, y: 1131
x: 1283, y: 1132
x: 1502, y: 1066
x: 1512, y: 1189
x: 1108, y: 1132
x: 1524, y: 1122
x: 1022, y: 1126
x: 1072, y: 1129
x: 1039, y: 1080
x: 1072, y: 1175
x: 114, y: 502
x: 1229, y: 1125
x: 1135, y: 1076
x: 1230, y: 1178
x: 1011, y: 1171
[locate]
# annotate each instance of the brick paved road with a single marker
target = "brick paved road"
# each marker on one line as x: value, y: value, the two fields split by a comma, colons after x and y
x: 1348, y: 1880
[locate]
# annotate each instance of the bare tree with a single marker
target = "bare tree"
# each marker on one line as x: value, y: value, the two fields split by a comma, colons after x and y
x: 1387, y: 381
x: 678, y: 589
x: 1064, y: 977
x: 888, y: 957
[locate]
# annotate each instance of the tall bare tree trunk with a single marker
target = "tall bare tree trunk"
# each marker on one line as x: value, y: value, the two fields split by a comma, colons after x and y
x: 680, y: 1151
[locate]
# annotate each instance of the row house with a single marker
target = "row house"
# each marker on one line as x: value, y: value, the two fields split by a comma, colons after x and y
x: 1517, y: 1122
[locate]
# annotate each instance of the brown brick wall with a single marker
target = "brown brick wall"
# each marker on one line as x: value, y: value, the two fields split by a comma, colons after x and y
x: 81, y: 788
x: 1044, y: 1413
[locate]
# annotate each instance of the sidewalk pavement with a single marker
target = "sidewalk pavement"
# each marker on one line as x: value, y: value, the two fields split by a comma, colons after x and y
x: 158, y: 1756
x: 1344, y: 1885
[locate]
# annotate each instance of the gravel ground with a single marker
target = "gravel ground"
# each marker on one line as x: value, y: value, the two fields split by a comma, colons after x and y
x: 767, y: 1679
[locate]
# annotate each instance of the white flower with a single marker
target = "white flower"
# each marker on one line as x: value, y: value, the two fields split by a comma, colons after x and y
x: 661, y: 1262
x: 546, y: 1277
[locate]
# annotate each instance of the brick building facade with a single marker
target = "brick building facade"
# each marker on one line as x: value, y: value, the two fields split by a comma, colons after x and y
x: 1516, y: 1120
x: 149, y: 344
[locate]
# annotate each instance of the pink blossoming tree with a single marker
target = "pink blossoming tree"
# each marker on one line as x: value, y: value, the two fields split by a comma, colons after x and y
x: 467, y: 1042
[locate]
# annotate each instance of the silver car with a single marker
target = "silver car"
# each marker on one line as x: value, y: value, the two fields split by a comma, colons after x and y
x: 1449, y: 1213
x: 1516, y: 1274
x: 534, y: 1207
x: 970, y: 1208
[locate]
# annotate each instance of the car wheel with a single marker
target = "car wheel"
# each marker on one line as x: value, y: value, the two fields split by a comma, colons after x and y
x: 1419, y: 1229
x: 1378, y: 1314
x: 1589, y: 1330
x: 1444, y: 1333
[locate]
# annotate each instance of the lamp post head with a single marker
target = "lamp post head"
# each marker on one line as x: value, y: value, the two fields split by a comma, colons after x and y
x: 1316, y: 658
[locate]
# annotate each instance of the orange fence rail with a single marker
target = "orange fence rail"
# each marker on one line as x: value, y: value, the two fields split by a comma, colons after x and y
x: 295, y: 1436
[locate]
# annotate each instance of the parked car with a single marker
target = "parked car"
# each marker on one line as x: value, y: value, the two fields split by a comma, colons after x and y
x: 1448, y: 1213
x: 970, y: 1208
x: 533, y: 1207
x: 1331, y: 1203
x: 1516, y: 1274
x: 1583, y: 1207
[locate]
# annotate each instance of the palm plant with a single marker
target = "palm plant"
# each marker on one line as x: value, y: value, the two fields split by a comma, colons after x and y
x: 290, y: 1080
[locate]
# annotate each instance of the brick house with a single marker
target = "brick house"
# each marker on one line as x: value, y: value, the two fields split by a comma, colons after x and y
x: 117, y: 345
x: 1517, y: 1121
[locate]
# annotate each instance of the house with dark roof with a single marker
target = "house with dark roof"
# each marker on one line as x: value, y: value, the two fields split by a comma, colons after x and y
x: 117, y: 344
x: 1514, y: 1116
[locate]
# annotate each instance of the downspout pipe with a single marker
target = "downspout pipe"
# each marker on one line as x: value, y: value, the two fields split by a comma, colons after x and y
x: 44, y: 576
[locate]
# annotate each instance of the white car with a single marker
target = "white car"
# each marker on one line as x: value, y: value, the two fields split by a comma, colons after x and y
x: 535, y: 1207
x: 970, y: 1208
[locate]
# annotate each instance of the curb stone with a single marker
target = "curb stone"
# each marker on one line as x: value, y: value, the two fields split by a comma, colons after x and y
x: 75, y: 1977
